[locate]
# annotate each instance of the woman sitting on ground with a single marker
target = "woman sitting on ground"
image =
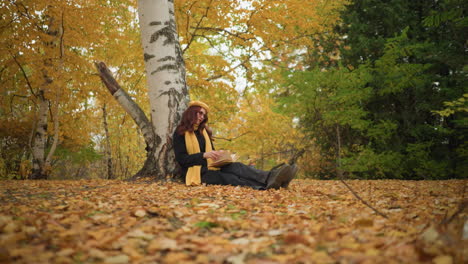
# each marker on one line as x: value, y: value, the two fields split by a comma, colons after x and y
x: 195, y: 153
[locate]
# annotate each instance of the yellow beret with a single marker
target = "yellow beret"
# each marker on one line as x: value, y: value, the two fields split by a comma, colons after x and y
x: 199, y: 103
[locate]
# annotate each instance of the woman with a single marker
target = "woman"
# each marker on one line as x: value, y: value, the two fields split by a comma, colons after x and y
x: 194, y: 151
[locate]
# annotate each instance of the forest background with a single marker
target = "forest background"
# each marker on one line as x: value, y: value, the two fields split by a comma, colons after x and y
x: 366, y: 89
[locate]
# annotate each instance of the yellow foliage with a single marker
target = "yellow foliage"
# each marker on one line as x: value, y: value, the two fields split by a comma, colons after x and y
x: 36, y: 56
x: 223, y: 42
x: 220, y: 40
x: 257, y: 134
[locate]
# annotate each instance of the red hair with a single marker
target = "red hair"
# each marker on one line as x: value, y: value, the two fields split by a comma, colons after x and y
x: 189, y: 119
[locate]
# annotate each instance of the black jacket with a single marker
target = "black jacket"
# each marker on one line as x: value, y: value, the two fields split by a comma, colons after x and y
x: 186, y: 160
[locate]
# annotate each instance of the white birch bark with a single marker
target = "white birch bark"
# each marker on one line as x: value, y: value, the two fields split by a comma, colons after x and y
x: 42, y: 164
x: 47, y: 168
x: 165, y: 76
x: 38, y: 148
x: 137, y: 115
x: 110, y: 169
x: 127, y: 103
x: 48, y: 161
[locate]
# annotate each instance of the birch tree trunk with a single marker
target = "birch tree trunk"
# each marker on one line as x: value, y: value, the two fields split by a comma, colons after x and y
x: 165, y: 74
x: 110, y: 170
x: 167, y: 89
x: 38, y: 147
x: 41, y: 165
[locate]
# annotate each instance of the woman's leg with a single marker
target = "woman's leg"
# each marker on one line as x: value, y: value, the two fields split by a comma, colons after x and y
x: 246, y: 172
x: 223, y: 178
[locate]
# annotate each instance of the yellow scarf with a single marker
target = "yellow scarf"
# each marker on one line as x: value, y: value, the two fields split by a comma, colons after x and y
x: 193, y: 176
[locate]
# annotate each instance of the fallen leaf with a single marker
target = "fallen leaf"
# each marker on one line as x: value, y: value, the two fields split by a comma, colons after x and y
x: 162, y: 244
x: 137, y: 233
x: 96, y: 253
x: 140, y: 213
x: 443, y: 260
x: 237, y: 259
x: 275, y: 232
x: 364, y: 223
x: 293, y: 238
x: 430, y: 235
x: 119, y: 259
x: 175, y: 257
x: 65, y: 252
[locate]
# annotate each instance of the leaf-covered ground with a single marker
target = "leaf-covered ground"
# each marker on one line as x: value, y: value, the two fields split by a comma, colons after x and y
x: 98, y: 221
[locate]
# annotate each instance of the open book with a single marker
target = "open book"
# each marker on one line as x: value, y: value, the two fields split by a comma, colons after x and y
x: 226, y: 158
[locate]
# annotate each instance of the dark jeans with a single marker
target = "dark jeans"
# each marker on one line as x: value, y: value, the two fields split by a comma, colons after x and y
x: 236, y: 174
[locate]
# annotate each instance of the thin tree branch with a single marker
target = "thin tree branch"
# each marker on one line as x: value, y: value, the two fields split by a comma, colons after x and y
x: 7, y: 24
x: 362, y: 200
x: 211, y: 44
x: 138, y: 81
x: 231, y: 139
x: 24, y: 74
x: 62, y: 33
x: 237, y: 35
x: 461, y: 207
x: 26, y: 14
x: 196, y: 28
x: 242, y: 63
x: 188, y: 20
x: 340, y: 176
x: 11, y: 101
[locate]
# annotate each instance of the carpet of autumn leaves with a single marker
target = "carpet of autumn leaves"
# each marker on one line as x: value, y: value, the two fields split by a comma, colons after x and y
x: 97, y: 221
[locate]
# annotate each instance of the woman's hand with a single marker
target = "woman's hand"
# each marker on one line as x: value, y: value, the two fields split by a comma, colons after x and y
x: 214, y: 155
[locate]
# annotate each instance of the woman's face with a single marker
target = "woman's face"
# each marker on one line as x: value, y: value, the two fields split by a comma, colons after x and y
x: 201, y: 115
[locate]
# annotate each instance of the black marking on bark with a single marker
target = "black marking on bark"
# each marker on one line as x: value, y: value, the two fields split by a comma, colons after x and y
x: 174, y: 94
x: 166, y: 32
x: 157, y: 141
x: 165, y: 67
x: 168, y: 93
x: 167, y: 82
x: 163, y: 156
x: 148, y: 56
x: 155, y: 23
x: 167, y: 58
x: 168, y: 42
x: 181, y: 63
x: 181, y: 95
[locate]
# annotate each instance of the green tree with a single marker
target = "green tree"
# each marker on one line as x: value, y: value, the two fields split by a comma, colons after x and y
x: 411, y: 67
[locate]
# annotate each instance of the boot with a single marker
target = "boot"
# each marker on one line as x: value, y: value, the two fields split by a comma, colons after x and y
x: 277, y: 177
x: 291, y: 174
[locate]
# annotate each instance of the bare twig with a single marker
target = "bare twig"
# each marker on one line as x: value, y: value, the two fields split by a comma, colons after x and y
x: 340, y: 176
x: 242, y: 63
x: 237, y: 35
x: 198, y: 25
x: 461, y: 207
x: 362, y: 200
x: 231, y: 139
x: 24, y: 75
